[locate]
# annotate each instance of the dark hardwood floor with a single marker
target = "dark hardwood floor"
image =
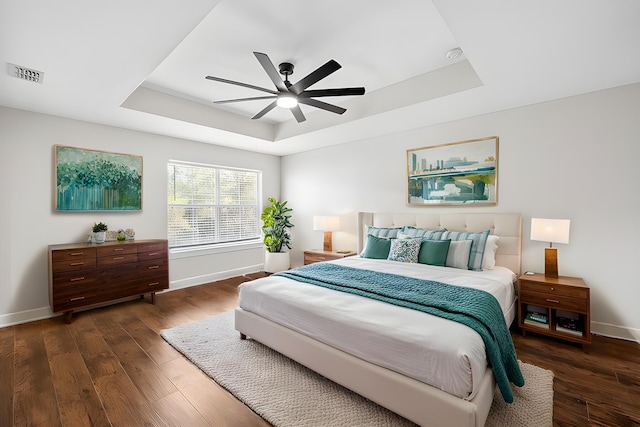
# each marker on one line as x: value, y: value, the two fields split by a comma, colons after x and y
x: 111, y: 367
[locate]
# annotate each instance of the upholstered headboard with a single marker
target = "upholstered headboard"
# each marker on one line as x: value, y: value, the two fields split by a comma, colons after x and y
x: 508, y: 226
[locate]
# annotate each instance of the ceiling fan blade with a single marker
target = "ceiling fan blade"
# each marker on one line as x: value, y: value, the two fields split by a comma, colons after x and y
x: 315, y: 76
x: 255, y: 98
x: 218, y: 79
x: 322, y: 105
x: 297, y: 113
x: 265, y: 110
x: 271, y: 71
x: 347, y: 91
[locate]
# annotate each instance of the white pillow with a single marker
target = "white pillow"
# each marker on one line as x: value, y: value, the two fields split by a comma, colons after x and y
x: 458, y: 256
x: 490, y: 248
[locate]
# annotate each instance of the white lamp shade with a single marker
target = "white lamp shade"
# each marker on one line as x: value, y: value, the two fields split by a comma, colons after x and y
x: 550, y: 230
x: 326, y: 223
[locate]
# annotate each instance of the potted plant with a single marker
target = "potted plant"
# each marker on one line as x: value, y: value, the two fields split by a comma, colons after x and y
x: 99, y: 230
x: 275, y: 226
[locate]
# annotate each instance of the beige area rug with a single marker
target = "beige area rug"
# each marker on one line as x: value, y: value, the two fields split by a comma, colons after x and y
x: 287, y: 394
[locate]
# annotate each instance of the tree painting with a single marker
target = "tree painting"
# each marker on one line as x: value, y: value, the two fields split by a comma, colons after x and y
x: 88, y: 180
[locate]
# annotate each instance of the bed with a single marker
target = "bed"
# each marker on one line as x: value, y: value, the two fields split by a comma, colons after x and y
x: 272, y: 311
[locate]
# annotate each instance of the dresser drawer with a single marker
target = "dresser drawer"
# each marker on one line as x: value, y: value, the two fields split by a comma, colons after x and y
x: 73, y: 279
x: 117, y: 259
x: 550, y: 300
x: 73, y: 264
x: 70, y: 255
x: 157, y: 254
x: 152, y: 247
x: 153, y: 267
x: 114, y: 250
x: 553, y: 289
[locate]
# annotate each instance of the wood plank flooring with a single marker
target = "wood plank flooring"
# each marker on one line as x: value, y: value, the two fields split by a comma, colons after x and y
x: 111, y: 367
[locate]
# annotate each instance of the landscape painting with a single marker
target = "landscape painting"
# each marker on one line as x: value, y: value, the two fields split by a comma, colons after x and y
x: 90, y: 180
x: 458, y: 173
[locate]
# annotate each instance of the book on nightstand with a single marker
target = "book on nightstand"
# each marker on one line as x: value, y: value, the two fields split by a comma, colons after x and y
x: 536, y: 319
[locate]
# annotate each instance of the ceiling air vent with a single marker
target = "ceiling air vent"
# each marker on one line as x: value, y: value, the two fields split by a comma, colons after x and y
x: 25, y: 73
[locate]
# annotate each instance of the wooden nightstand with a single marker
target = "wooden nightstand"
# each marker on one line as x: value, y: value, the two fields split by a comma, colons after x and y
x: 318, y: 256
x: 558, y: 299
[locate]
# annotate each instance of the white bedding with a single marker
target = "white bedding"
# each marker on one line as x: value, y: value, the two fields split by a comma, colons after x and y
x: 439, y: 352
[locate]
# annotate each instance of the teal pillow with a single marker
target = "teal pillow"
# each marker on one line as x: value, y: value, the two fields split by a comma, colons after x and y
x: 410, y: 231
x: 376, y: 248
x: 434, y: 252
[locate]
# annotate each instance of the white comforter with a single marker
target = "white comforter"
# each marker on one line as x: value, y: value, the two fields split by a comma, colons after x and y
x: 439, y: 352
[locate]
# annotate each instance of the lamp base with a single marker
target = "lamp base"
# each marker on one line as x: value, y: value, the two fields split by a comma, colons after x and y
x: 551, y: 262
x: 328, y: 245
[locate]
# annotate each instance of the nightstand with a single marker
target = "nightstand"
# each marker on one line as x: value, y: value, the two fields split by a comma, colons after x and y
x: 318, y: 256
x: 558, y: 307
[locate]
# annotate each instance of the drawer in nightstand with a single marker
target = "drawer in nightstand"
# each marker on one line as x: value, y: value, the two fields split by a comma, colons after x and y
x: 553, y: 289
x: 550, y: 300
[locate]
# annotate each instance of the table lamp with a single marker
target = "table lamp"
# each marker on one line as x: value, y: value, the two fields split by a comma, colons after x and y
x: 552, y: 231
x: 328, y: 224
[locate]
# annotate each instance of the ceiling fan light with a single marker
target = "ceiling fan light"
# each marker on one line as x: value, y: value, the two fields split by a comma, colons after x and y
x: 287, y: 100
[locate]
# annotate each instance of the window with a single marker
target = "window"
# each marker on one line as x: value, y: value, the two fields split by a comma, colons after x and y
x: 210, y: 204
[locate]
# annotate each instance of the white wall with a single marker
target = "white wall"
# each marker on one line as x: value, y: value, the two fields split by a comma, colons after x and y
x: 574, y: 158
x: 30, y: 222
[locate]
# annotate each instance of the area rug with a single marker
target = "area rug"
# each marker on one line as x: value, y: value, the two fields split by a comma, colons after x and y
x: 287, y: 394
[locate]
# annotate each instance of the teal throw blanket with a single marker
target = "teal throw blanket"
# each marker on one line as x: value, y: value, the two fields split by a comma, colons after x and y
x: 472, y: 307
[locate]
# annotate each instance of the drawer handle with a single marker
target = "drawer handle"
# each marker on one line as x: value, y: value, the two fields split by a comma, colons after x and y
x: 118, y: 249
x: 321, y: 257
x: 154, y: 284
x: 75, y: 279
x: 117, y: 258
x: 153, y: 253
x: 76, y: 253
x: 77, y: 263
x: 153, y: 267
x: 553, y: 300
x: 76, y: 299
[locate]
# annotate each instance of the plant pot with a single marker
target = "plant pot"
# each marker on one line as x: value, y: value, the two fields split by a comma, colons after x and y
x: 99, y: 236
x: 276, y: 261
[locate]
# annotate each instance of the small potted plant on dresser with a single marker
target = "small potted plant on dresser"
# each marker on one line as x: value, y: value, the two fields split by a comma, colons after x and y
x: 276, y: 225
x: 99, y: 230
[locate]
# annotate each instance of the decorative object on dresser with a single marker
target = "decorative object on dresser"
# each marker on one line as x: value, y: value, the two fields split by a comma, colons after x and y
x: 558, y: 307
x: 319, y: 256
x: 99, y: 232
x: 275, y: 226
x: 552, y: 231
x: 458, y: 173
x: 83, y: 275
x: 328, y: 224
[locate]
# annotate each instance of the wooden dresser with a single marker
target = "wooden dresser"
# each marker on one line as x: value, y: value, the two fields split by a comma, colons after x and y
x: 82, y: 275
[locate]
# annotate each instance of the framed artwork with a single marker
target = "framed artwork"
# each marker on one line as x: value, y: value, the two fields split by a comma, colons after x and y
x: 458, y: 173
x: 90, y: 180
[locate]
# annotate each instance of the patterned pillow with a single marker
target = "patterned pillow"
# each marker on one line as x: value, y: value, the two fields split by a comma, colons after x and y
x: 404, y: 250
x: 478, y: 243
x: 385, y: 232
x: 409, y: 231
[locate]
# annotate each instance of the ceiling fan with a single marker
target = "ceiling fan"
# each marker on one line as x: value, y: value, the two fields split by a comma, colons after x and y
x: 290, y: 95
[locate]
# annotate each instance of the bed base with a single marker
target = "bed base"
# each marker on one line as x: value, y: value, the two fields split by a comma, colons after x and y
x: 412, y: 399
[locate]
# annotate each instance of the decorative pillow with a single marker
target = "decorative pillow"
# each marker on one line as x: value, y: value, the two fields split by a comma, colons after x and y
x: 458, y: 255
x: 404, y: 250
x: 479, y: 241
x: 388, y: 233
x: 489, y: 260
x: 376, y: 248
x: 410, y: 231
x: 434, y: 252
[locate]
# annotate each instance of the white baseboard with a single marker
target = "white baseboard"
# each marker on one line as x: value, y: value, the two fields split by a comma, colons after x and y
x: 214, y: 277
x: 26, y: 316
x: 615, y: 331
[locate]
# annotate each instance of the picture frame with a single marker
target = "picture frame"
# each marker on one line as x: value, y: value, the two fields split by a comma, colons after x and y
x: 93, y: 180
x: 458, y: 173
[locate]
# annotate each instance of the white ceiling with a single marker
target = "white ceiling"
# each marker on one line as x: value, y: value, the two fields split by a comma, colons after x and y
x: 141, y: 65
